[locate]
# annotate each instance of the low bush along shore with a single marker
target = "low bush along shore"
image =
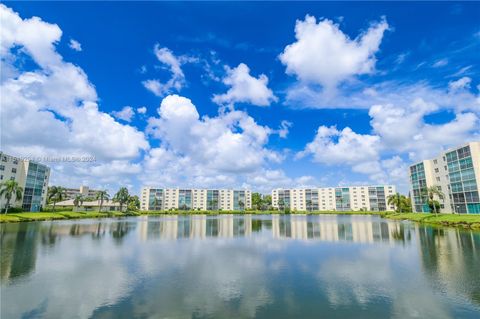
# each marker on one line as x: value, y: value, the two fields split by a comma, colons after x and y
x: 465, y: 221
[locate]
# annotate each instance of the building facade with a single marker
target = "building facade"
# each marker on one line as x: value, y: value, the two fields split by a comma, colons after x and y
x: 370, y: 198
x: 456, y: 172
x: 84, y: 191
x: 31, y: 176
x: 194, y: 199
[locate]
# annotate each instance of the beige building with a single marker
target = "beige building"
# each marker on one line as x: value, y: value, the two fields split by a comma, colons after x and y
x: 370, y: 198
x: 31, y: 176
x: 456, y: 172
x: 85, y: 191
x: 194, y: 199
x: 107, y: 206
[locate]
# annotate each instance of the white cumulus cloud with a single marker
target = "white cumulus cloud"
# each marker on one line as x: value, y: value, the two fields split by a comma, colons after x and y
x: 323, y: 54
x: 126, y: 114
x: 142, y: 110
x: 244, y: 88
x: 75, y: 45
x: 52, y: 110
x: 174, y: 64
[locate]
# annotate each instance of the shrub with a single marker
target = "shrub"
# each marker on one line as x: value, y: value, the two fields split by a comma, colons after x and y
x: 13, y: 210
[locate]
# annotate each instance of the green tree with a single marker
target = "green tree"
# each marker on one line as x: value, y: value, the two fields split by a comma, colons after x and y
x: 155, y: 202
x: 78, y: 201
x: 213, y: 204
x: 121, y: 197
x: 102, y: 196
x: 309, y: 205
x: 267, y: 202
x: 406, y: 204
x: 56, y: 194
x: 281, y: 204
x: 133, y: 203
x: 257, y: 201
x: 396, y: 200
x: 10, y: 189
x: 431, y: 192
x: 241, y: 204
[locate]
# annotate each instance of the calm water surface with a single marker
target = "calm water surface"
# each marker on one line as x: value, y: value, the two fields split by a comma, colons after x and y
x: 238, y: 267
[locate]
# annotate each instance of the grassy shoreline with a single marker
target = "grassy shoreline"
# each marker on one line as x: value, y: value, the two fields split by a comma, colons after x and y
x: 450, y: 220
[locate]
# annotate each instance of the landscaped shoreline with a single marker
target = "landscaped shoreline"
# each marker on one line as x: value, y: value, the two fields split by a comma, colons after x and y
x: 450, y: 220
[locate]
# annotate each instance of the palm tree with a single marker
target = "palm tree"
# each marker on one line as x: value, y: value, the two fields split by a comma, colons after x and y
x: 431, y: 192
x: 281, y: 204
x: 213, y: 204
x: 121, y: 197
x: 56, y: 194
x: 241, y: 204
x: 10, y: 188
x: 309, y: 205
x: 78, y: 201
x: 101, y: 196
x: 395, y: 200
x: 340, y: 199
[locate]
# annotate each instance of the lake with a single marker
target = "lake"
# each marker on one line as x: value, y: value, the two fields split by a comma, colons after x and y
x: 238, y: 266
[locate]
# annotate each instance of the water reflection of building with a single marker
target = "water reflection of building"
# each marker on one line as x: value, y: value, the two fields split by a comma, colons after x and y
x: 451, y: 258
x: 363, y: 229
x: 18, y: 252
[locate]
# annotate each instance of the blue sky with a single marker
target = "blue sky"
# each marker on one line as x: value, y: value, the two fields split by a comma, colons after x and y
x: 307, y: 93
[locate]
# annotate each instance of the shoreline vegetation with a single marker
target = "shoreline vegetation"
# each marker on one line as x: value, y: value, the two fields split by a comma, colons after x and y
x: 450, y: 220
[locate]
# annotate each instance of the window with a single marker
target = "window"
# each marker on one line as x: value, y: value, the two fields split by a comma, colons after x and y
x: 438, y: 179
x: 1, y: 177
x: 14, y: 170
x: 4, y: 158
x: 2, y: 167
x: 471, y: 197
x: 12, y: 178
x: 435, y: 161
x: 436, y: 170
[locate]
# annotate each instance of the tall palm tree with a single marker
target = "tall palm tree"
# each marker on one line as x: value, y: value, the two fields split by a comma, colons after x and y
x: 101, y: 196
x: 281, y: 204
x: 395, y: 200
x: 433, y: 191
x: 78, y: 201
x: 121, y: 197
x: 241, y: 204
x: 309, y: 205
x: 8, y: 189
x: 56, y: 194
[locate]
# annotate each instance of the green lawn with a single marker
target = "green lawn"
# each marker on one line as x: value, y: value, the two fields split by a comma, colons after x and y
x: 21, y: 217
x: 465, y: 221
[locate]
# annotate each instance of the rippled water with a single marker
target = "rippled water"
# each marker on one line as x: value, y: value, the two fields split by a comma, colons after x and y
x: 238, y: 267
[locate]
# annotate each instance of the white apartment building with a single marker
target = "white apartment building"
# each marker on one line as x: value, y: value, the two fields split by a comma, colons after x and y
x: 194, y: 199
x: 31, y: 176
x: 456, y: 172
x: 370, y: 198
x: 85, y: 191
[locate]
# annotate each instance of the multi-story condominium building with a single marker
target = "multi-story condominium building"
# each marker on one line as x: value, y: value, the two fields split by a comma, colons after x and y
x: 371, y: 198
x: 194, y: 199
x: 31, y: 176
x: 456, y: 172
x: 85, y: 191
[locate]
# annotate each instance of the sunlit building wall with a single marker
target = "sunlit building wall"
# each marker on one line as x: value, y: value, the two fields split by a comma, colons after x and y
x: 371, y: 198
x: 195, y: 199
x: 31, y: 176
x: 457, y: 174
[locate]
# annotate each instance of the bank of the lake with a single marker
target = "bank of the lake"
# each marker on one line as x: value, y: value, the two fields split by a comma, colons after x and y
x: 450, y: 220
